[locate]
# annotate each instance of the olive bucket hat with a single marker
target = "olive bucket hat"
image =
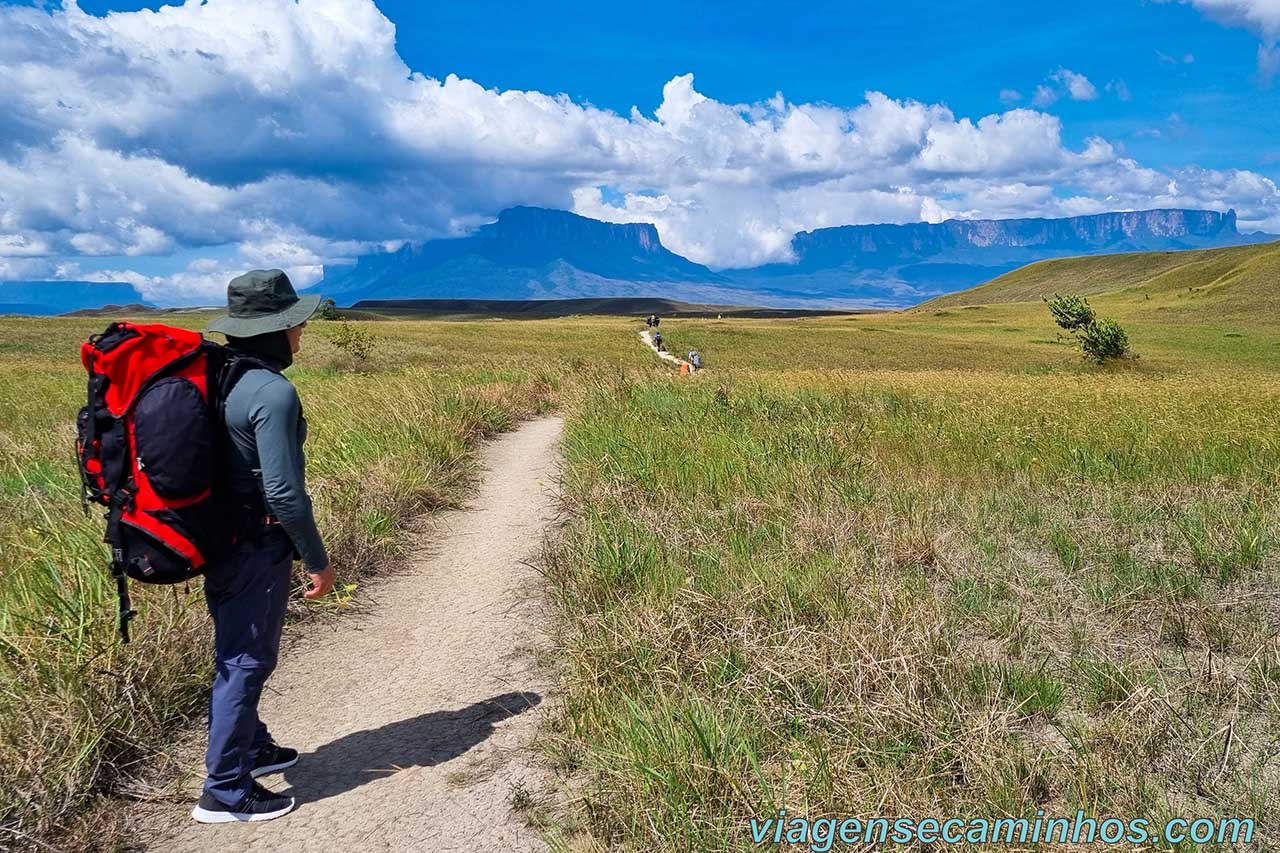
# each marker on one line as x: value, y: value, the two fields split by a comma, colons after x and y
x: 262, y: 301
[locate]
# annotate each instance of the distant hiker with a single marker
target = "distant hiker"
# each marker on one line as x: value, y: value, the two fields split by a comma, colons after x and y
x: 657, y: 321
x: 657, y: 341
x: 648, y: 321
x: 248, y: 592
x: 695, y: 359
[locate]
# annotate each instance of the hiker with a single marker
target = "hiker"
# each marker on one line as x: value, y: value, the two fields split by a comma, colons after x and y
x: 247, y: 593
x: 648, y: 321
x: 695, y: 359
x: 657, y: 341
x: 657, y: 321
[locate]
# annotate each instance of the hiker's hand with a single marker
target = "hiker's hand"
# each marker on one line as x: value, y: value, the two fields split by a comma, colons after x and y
x: 321, y: 583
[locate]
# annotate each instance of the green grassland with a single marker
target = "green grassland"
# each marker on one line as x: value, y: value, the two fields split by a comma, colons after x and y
x: 1247, y: 271
x: 917, y: 594
x: 932, y: 563
x: 919, y: 563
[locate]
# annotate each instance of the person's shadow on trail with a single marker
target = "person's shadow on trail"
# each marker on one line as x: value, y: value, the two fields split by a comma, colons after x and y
x: 422, y: 741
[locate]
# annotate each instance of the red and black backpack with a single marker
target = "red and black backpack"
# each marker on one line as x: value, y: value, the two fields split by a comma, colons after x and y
x: 151, y: 448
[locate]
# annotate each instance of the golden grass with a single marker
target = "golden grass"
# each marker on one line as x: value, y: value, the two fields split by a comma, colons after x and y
x: 928, y: 562
x: 1100, y: 274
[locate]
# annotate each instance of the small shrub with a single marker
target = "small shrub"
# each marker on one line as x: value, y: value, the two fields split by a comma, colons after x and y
x: 356, y: 342
x: 329, y: 310
x: 1103, y: 340
x: 1099, y: 339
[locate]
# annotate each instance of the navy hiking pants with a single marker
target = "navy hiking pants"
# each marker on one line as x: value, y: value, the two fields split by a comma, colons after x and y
x: 247, y: 596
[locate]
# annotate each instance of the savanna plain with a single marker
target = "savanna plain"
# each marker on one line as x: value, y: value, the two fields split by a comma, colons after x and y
x: 927, y: 563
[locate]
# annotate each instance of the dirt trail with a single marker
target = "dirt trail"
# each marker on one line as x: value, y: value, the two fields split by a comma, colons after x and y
x: 415, y: 720
x: 647, y: 337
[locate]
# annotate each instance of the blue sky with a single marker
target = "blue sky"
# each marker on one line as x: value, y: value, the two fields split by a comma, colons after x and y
x: 744, y: 52
x: 1140, y: 104
x: 619, y: 55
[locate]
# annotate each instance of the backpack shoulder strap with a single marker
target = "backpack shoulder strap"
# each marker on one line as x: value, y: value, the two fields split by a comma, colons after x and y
x: 231, y: 366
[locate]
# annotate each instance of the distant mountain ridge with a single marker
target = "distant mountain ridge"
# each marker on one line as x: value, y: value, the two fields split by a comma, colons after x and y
x: 531, y: 253
x: 527, y: 253
x: 46, y: 298
x: 537, y: 253
x: 1101, y: 230
x: 906, y: 264
x: 619, y: 306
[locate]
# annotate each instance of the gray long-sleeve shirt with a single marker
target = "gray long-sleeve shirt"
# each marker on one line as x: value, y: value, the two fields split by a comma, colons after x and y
x: 264, y: 418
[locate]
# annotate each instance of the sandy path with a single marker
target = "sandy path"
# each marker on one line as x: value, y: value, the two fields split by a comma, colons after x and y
x: 415, y: 720
x: 647, y: 337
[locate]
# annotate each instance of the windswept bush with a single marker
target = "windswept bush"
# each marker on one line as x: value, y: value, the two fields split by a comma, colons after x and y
x: 1103, y: 340
x: 1099, y: 339
x: 354, y: 341
x: 329, y: 310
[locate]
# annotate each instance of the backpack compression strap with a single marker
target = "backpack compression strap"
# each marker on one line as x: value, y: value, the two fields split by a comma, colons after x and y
x: 118, y: 501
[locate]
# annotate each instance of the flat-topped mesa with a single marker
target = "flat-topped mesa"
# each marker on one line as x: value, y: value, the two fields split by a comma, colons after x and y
x: 526, y: 252
x: 1084, y: 233
x: 532, y: 236
x: 547, y: 227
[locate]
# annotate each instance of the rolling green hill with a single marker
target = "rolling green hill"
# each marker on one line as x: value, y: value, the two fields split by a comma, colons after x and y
x: 1230, y: 281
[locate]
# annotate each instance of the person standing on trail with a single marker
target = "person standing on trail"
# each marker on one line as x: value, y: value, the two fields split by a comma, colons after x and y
x: 248, y: 592
x: 657, y: 341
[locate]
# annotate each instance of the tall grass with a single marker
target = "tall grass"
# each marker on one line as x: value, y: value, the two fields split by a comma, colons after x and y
x: 81, y: 714
x: 920, y: 594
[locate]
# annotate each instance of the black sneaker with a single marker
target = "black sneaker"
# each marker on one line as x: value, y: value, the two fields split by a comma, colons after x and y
x: 272, y: 759
x: 258, y: 804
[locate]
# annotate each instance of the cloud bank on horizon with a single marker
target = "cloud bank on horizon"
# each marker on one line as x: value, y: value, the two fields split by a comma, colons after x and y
x: 295, y: 132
